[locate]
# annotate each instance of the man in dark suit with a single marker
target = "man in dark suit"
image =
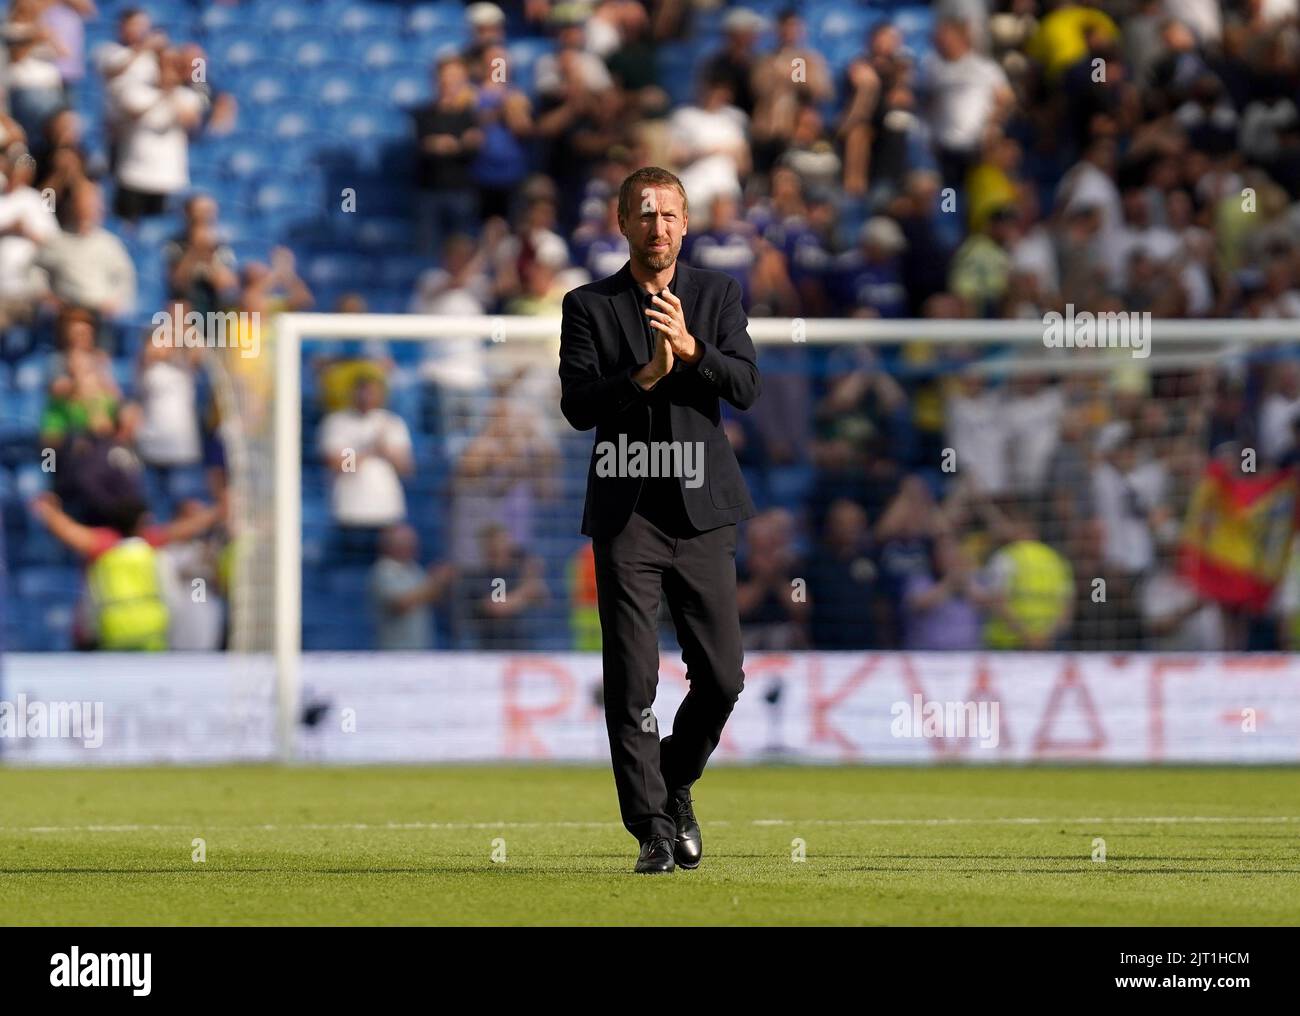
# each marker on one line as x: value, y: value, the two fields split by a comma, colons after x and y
x: 645, y: 356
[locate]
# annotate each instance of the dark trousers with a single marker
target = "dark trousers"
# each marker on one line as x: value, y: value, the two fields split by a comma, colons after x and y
x: 697, y: 576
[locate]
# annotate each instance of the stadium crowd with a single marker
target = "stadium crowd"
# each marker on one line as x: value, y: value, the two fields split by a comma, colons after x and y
x: 970, y: 159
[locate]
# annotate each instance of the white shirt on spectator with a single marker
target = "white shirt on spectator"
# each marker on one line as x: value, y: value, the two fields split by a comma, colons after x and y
x: 155, y: 145
x: 1036, y: 254
x: 90, y: 270
x: 1033, y: 432
x: 33, y: 71
x: 547, y: 78
x: 977, y: 433
x: 1164, y: 595
x: 452, y: 362
x: 1086, y: 186
x: 371, y: 494
x: 1277, y: 415
x: 169, y: 432
x: 1122, y: 503
x: 1160, y: 244
x: 1203, y: 17
x: 132, y: 67
x: 963, y: 96
x: 194, y: 625
x: 19, y: 278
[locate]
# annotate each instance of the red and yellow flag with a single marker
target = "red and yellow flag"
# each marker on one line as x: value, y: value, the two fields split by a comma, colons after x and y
x: 1237, y: 536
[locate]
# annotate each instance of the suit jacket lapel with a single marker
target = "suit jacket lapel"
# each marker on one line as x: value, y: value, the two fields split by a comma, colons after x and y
x: 629, y: 316
x: 686, y: 293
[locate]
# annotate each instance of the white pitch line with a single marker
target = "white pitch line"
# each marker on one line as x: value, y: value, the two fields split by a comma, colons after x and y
x: 362, y: 826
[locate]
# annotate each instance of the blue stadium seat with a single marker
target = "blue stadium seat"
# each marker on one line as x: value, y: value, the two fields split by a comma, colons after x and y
x: 154, y: 233
x: 23, y: 414
x: 395, y: 235
x: 40, y: 627
x: 431, y: 19
x: 238, y: 49
x: 30, y: 376
x: 426, y: 49
x: 277, y: 197
x: 282, y: 16
x: 289, y: 122
x: 333, y: 84
x: 677, y: 74
x: 363, y: 122
x: 347, y: 580
x: 356, y: 18
x: 45, y: 584
x: 336, y: 270
x: 375, y: 52
x: 913, y: 19
x: 246, y: 158
x: 405, y: 85
x: 311, y: 47
x: 400, y: 272
x: 216, y: 18
x: 205, y: 176
x: 30, y: 480
x: 829, y: 23
x: 268, y: 82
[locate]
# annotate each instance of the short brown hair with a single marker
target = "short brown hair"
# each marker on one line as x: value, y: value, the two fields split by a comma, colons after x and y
x: 648, y: 176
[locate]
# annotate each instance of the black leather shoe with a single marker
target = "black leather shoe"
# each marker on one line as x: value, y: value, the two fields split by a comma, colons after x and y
x: 656, y: 857
x: 689, y: 848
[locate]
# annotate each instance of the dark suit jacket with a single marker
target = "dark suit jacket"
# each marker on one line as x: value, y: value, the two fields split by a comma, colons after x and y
x: 602, y: 345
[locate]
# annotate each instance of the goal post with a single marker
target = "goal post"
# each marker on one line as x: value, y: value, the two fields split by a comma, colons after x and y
x: 1173, y: 345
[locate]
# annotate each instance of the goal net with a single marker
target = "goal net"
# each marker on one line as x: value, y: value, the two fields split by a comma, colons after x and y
x: 923, y: 485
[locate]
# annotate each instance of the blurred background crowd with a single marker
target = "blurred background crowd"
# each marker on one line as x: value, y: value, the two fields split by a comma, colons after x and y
x: 969, y: 159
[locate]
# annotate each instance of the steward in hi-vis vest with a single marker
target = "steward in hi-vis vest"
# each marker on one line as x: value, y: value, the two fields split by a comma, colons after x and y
x: 127, y: 597
x: 124, y: 579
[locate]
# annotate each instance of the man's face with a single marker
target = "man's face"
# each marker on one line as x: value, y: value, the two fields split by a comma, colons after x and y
x: 654, y: 226
x: 87, y: 207
x: 369, y: 396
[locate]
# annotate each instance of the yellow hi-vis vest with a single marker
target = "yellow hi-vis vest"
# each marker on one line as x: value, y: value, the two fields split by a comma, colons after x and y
x: 1041, y: 585
x: 130, y: 611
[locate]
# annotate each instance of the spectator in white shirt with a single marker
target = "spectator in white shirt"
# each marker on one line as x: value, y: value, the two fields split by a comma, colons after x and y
x: 967, y: 94
x: 1279, y: 411
x: 548, y: 71
x: 153, y: 158
x: 165, y: 387
x: 709, y: 144
x: 1129, y: 497
x: 367, y: 450
x: 26, y: 225
x: 132, y: 59
x: 88, y: 266
x: 31, y: 77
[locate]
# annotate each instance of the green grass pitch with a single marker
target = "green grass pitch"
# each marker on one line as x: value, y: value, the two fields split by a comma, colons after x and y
x: 415, y: 845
